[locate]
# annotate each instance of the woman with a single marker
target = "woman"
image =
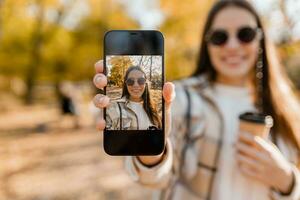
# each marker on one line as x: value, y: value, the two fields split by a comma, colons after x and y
x: 207, y: 157
x: 135, y: 110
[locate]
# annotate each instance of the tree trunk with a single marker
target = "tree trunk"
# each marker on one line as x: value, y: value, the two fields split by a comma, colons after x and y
x: 38, y: 38
x: 35, y: 56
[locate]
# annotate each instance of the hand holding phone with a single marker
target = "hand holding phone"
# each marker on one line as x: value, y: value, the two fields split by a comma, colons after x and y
x: 101, y: 101
x: 134, y: 105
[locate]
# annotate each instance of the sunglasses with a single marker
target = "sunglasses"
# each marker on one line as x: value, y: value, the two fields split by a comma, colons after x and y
x: 140, y: 81
x: 244, y: 34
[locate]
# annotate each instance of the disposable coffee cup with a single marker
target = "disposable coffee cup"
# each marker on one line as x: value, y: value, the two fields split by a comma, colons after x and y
x: 256, y: 123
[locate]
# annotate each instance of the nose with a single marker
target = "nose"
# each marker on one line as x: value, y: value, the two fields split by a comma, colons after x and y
x: 136, y: 84
x: 232, y: 43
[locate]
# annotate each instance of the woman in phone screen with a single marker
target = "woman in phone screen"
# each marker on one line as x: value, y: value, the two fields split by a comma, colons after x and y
x: 135, y: 109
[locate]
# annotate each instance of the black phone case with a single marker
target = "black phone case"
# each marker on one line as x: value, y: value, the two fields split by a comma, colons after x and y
x: 134, y: 142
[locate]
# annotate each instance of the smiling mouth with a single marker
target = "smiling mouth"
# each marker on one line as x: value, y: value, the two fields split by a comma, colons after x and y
x: 233, y: 60
x: 136, y: 91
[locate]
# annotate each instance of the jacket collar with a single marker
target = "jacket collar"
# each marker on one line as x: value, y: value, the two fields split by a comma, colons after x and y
x: 124, y: 100
x: 203, y: 85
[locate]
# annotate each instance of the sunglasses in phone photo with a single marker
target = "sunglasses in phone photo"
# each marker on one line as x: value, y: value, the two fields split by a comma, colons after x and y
x: 245, y: 35
x: 131, y: 81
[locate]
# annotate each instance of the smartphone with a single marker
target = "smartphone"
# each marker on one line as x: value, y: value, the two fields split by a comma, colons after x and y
x: 135, y: 116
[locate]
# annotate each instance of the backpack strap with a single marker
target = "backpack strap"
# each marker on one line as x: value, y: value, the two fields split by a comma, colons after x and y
x: 187, y: 133
x: 188, y: 114
x: 188, y: 140
x: 120, y: 115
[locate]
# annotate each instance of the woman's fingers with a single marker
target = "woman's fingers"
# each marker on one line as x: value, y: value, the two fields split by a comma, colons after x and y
x: 169, y: 95
x: 100, y: 124
x: 246, y: 137
x: 100, y: 80
x: 245, y: 160
x: 249, y: 171
x: 99, y: 66
x: 250, y: 151
x: 101, y: 101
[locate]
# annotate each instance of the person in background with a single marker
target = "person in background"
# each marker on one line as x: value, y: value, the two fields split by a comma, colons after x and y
x: 68, y: 106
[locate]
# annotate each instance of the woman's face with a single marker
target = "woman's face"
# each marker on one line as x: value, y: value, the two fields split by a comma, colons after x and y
x: 136, y: 84
x: 233, y: 60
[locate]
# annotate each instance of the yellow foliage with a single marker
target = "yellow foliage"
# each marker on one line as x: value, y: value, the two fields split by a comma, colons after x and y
x: 119, y: 66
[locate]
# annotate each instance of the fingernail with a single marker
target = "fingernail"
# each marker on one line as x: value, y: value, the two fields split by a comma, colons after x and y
x: 101, y: 101
x: 98, y: 100
x: 98, y: 79
x: 99, y: 62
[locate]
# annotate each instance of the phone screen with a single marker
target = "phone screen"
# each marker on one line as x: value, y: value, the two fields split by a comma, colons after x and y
x: 135, y: 72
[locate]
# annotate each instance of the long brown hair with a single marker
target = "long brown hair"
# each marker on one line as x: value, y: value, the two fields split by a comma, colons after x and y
x: 279, y: 98
x: 148, y: 103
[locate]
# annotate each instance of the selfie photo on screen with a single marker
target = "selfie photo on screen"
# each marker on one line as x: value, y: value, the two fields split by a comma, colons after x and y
x: 134, y: 87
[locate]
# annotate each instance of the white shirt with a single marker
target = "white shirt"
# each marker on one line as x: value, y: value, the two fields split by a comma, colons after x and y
x: 230, y: 182
x: 143, y: 119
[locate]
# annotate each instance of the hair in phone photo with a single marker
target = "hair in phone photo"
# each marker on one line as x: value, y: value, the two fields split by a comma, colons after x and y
x: 148, y: 103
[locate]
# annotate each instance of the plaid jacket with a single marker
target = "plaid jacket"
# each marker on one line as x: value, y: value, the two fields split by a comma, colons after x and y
x: 193, y: 148
x: 127, y: 118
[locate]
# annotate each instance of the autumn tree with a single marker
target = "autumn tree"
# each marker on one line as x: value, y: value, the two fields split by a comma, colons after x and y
x: 49, y: 41
x: 119, y: 66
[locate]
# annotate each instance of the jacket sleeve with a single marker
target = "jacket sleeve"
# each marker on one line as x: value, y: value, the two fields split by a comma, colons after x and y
x: 295, y: 192
x: 290, y: 152
x: 112, y: 116
x: 160, y: 175
x: 157, y: 176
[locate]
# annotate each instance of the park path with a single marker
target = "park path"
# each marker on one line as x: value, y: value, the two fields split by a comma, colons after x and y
x: 41, y: 160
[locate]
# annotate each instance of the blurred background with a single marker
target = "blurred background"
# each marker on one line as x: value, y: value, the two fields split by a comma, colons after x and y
x: 49, y: 147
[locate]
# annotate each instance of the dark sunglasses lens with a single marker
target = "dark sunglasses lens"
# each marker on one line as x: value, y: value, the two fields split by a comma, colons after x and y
x: 141, y: 81
x: 246, y: 34
x: 130, y: 82
x: 218, y: 37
